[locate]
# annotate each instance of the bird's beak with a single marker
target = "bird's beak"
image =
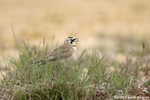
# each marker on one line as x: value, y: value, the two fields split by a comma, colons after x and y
x: 76, y: 39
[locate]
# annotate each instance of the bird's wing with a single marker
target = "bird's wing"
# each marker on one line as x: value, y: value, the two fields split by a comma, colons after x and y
x: 67, y: 54
x: 60, y: 52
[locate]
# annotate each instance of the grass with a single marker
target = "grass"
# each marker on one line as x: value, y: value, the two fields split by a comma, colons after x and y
x: 89, y: 78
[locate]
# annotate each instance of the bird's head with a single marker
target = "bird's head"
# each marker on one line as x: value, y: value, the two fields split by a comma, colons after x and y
x: 71, y: 40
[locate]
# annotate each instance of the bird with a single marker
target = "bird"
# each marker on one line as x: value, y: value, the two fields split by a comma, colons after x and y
x: 64, y: 52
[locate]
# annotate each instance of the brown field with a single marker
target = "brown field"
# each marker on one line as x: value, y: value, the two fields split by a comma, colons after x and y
x: 96, y: 22
x: 86, y: 19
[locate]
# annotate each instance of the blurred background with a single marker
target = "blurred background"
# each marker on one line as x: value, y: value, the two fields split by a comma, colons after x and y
x: 110, y: 25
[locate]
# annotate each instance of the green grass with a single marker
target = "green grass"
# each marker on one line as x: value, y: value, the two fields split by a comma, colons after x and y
x: 88, y: 78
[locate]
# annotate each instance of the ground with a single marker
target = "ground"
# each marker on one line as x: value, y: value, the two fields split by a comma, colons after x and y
x: 116, y: 29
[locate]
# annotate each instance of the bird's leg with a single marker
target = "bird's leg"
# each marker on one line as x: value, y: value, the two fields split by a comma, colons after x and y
x: 55, y: 70
x: 54, y: 74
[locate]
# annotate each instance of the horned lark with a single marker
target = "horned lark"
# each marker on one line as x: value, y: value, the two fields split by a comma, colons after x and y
x: 63, y: 52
